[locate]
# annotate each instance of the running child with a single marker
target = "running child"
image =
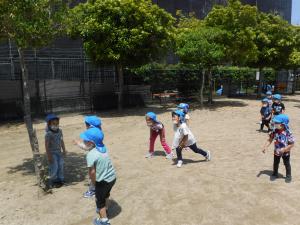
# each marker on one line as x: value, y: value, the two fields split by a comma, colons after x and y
x: 101, y: 171
x: 277, y: 106
x: 183, y: 137
x: 54, y: 143
x: 90, y: 122
x: 157, y: 128
x: 283, y: 143
x: 266, y: 115
x: 185, y: 109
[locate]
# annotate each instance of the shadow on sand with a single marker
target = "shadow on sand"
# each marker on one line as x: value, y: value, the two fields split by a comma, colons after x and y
x: 75, y: 168
x: 269, y: 173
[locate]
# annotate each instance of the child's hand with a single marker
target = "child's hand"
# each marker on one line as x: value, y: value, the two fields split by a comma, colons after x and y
x: 64, y: 153
x: 50, y: 159
x: 76, y: 142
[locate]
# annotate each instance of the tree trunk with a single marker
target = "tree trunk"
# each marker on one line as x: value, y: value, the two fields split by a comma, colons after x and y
x: 260, y: 83
x: 121, y: 87
x: 37, y: 159
x: 202, y: 87
x: 210, y: 95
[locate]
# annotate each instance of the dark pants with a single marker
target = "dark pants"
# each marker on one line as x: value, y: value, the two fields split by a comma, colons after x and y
x: 194, y: 148
x: 286, y: 161
x: 103, y: 189
x: 265, y: 123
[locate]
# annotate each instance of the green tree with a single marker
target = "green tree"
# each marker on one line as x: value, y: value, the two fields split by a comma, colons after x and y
x: 122, y: 32
x: 31, y: 24
x: 274, y: 41
x: 201, y: 46
x: 239, y: 21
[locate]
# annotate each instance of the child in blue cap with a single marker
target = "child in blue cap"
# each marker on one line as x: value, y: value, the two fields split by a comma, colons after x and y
x: 157, y: 128
x: 183, y: 137
x: 90, y: 122
x: 266, y: 115
x: 283, y: 143
x: 270, y: 98
x: 101, y: 171
x: 277, y: 107
x: 54, y: 143
x: 184, y: 107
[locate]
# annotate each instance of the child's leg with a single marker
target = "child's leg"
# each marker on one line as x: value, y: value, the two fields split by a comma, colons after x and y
x: 163, y: 142
x: 53, y: 168
x: 60, y: 172
x: 276, y: 165
x: 179, y: 153
x: 153, y: 136
x: 262, y: 125
x: 198, y: 150
x: 286, y: 161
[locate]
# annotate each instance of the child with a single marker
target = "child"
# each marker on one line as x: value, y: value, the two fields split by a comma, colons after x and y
x: 283, y: 141
x: 270, y: 99
x: 277, y: 107
x: 266, y: 114
x: 54, y: 143
x: 157, y: 128
x: 101, y: 171
x: 185, y: 109
x: 184, y: 138
x: 90, y: 121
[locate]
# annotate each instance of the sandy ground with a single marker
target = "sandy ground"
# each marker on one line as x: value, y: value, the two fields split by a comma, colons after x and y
x: 234, y: 188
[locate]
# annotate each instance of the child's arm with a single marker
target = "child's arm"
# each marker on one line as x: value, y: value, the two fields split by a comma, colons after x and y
x: 92, y: 174
x: 183, y: 141
x: 49, y: 156
x: 267, y: 144
x: 63, y: 146
x: 287, y: 148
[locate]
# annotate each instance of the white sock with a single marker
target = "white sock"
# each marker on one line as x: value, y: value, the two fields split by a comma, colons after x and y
x: 104, y: 219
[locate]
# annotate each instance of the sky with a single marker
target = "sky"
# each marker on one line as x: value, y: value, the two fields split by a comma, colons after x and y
x: 296, y: 12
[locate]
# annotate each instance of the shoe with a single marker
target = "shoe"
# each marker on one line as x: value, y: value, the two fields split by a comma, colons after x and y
x: 98, y: 221
x: 169, y: 156
x: 149, y: 155
x: 288, y: 179
x: 179, y: 163
x: 88, y: 194
x: 208, y: 156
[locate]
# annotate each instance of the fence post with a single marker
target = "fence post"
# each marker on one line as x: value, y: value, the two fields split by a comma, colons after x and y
x: 12, y: 66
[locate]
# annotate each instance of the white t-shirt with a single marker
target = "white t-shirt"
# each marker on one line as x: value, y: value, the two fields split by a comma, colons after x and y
x: 180, y: 132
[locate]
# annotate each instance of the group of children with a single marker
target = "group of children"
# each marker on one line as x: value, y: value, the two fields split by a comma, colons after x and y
x: 274, y: 118
x: 102, y: 176
x: 183, y: 137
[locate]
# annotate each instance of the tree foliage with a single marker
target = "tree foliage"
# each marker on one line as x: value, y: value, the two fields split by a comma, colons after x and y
x: 129, y: 32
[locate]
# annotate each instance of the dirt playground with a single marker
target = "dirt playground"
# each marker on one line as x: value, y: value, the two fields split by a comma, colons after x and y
x: 232, y: 189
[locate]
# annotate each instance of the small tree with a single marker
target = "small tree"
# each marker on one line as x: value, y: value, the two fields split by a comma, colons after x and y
x: 31, y: 24
x: 122, y: 32
x: 201, y: 46
x: 274, y: 42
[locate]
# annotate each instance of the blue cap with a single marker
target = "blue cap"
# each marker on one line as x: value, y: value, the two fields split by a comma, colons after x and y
x: 93, y: 121
x: 277, y: 97
x: 269, y: 93
x: 282, y: 119
x: 50, y: 117
x: 183, y: 106
x: 96, y: 136
x: 265, y: 100
x: 180, y: 114
x: 152, y: 116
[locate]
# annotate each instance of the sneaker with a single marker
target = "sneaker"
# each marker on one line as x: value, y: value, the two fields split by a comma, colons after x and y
x: 88, y: 194
x: 208, y: 156
x: 179, y: 163
x: 98, y: 221
x: 149, y: 155
x: 169, y: 156
x: 288, y: 179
